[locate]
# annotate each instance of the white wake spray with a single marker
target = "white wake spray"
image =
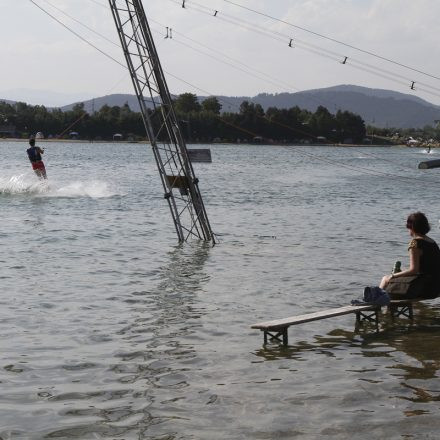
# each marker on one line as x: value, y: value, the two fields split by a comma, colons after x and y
x: 30, y: 185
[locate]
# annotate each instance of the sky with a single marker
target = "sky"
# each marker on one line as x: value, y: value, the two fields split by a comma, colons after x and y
x: 237, y: 53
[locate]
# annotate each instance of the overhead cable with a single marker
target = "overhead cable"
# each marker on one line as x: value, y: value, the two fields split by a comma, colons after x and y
x: 357, y: 168
x: 81, y: 23
x: 297, y: 43
x: 389, y: 60
x: 77, y: 35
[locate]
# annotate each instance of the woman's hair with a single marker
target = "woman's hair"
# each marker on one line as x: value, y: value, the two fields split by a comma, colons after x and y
x: 418, y: 222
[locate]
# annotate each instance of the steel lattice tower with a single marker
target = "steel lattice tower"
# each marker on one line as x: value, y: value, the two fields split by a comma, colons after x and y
x: 175, y: 169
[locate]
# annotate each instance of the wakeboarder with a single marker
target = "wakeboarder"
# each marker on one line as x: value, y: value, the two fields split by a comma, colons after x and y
x: 34, y: 154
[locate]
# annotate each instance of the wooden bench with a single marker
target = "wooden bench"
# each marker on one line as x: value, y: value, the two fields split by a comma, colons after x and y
x: 277, y: 329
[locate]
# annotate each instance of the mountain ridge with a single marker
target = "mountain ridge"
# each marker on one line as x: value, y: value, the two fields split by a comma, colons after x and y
x: 378, y: 107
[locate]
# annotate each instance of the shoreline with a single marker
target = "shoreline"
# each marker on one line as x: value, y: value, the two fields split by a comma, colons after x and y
x: 79, y: 141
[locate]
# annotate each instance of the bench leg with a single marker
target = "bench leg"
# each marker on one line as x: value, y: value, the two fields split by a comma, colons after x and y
x: 285, y: 337
x: 401, y: 310
x: 280, y: 336
x: 392, y: 309
x: 370, y: 315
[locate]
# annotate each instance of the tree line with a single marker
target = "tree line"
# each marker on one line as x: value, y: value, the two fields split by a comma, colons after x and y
x: 427, y: 133
x: 199, y: 121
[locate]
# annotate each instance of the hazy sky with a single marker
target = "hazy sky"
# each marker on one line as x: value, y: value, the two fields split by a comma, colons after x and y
x: 37, y: 53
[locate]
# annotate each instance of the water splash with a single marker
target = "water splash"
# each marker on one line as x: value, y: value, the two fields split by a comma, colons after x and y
x: 26, y: 184
x: 22, y: 184
x: 94, y: 189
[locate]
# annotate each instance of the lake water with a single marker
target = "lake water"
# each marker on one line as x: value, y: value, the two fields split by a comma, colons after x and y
x: 110, y: 330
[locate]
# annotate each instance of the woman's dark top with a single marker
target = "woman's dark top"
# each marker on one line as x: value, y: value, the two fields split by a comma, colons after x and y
x: 429, y: 258
x: 429, y: 270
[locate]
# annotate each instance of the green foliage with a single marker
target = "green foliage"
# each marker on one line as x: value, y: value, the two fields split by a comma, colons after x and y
x: 198, y: 122
x: 212, y: 104
x: 187, y: 103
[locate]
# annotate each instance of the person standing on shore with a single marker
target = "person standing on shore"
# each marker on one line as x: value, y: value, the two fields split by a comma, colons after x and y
x: 34, y: 154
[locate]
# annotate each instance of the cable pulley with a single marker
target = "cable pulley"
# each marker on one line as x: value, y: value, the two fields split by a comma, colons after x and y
x: 169, y: 33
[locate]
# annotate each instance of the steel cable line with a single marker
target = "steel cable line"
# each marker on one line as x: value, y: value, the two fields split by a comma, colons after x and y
x: 269, y: 78
x: 90, y: 29
x: 373, y: 172
x: 334, y: 56
x: 82, y: 24
x: 88, y: 43
x: 382, y: 73
x: 77, y: 35
x: 117, y: 45
x: 334, y: 40
x: 99, y: 4
x: 400, y: 166
x: 297, y: 43
x: 274, y: 35
x: 397, y: 75
x: 273, y: 80
x: 361, y: 169
x: 357, y: 168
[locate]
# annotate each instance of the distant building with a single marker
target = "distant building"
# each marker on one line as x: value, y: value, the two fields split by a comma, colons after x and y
x: 73, y: 135
x: 411, y: 142
x: 117, y: 137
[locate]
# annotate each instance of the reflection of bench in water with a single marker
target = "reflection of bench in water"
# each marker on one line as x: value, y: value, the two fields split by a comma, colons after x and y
x: 277, y: 329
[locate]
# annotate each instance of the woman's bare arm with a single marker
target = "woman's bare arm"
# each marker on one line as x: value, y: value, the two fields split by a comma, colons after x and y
x: 414, y: 263
x: 414, y: 267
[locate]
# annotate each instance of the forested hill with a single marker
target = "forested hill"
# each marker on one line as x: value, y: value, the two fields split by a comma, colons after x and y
x: 381, y: 108
x: 377, y: 107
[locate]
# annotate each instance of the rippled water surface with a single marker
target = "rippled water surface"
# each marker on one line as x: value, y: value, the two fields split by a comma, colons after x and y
x: 110, y: 330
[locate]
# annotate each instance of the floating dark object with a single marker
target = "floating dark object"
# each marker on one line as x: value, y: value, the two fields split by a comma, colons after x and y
x: 429, y: 164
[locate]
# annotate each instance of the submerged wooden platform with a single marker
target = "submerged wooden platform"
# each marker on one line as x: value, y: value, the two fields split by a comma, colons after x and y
x: 277, y: 329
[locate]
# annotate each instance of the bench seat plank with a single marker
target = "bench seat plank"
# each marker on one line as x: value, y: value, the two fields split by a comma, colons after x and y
x: 323, y: 314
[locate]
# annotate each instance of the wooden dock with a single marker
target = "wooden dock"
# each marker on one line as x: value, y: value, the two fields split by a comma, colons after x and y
x: 277, y: 329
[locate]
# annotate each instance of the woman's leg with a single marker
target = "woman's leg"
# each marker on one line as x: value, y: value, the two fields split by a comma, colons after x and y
x: 384, y: 282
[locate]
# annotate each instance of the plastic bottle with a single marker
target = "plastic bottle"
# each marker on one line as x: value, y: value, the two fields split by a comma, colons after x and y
x: 397, y: 267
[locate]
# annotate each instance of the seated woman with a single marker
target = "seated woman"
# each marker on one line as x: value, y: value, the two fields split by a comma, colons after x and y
x: 422, y: 279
